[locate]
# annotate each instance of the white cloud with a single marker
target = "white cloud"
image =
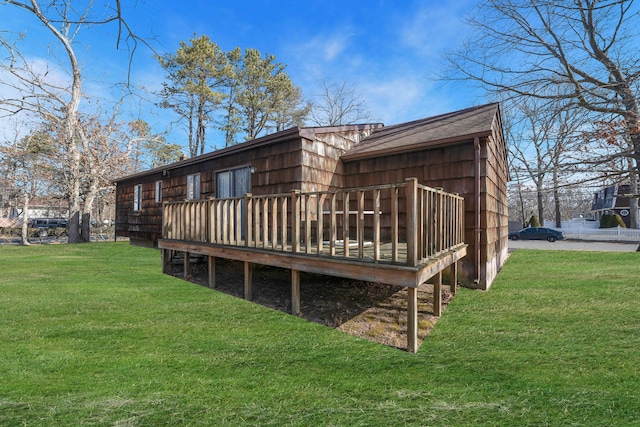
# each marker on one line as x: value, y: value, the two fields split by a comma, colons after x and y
x: 433, y: 28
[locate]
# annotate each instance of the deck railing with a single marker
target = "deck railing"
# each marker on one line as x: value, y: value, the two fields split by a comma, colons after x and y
x: 405, y: 223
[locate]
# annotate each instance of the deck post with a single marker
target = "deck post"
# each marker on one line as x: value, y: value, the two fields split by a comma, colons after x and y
x: 295, y: 292
x: 437, y: 294
x: 248, y: 281
x: 412, y: 320
x: 187, y: 264
x: 453, y: 279
x: 211, y: 268
x: 164, y: 254
x: 412, y: 221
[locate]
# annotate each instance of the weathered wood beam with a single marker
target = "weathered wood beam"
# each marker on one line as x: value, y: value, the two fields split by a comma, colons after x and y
x: 187, y: 264
x: 412, y: 320
x: 248, y: 281
x: 453, y: 278
x: 211, y: 268
x: 437, y: 294
x: 166, y: 257
x: 295, y: 292
x: 440, y: 263
x: 391, y: 274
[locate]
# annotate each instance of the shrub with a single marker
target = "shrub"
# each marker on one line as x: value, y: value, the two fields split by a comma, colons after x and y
x: 610, y: 221
x: 534, y: 221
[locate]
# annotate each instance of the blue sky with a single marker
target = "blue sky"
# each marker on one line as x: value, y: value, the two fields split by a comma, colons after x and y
x: 390, y: 51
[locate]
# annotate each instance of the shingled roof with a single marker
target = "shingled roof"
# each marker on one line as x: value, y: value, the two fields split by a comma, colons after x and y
x: 443, y: 129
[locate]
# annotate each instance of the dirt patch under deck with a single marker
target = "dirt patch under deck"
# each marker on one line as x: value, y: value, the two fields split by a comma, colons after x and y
x: 374, y: 311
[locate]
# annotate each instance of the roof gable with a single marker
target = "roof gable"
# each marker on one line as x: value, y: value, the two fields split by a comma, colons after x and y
x: 443, y: 129
x: 289, y: 135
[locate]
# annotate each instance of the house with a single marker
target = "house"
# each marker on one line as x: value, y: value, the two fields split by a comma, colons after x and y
x: 395, y: 204
x: 40, y: 206
x: 613, y: 199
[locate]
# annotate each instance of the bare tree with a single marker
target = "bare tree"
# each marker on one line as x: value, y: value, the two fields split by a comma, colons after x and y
x: 586, y: 47
x: 338, y: 104
x: 54, y: 101
x: 23, y: 163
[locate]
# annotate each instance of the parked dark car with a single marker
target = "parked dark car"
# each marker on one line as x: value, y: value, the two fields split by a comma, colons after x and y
x: 537, y: 233
x: 44, y: 225
x: 49, y: 223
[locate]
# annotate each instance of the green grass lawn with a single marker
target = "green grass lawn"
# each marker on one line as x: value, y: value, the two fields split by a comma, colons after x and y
x: 94, y: 334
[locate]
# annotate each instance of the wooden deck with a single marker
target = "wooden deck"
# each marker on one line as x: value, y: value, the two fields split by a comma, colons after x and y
x: 402, y: 234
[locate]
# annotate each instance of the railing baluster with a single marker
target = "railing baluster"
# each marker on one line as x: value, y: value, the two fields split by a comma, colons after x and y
x: 376, y: 224
x: 295, y: 221
x: 248, y: 219
x: 238, y: 221
x: 345, y: 226
x: 360, y: 224
x: 333, y: 226
x: 320, y: 222
x: 274, y: 223
x: 307, y: 223
x: 394, y: 224
x: 284, y: 213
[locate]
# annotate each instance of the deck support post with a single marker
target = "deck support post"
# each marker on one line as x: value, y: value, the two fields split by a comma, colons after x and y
x: 211, y: 268
x: 437, y: 294
x: 165, y: 256
x: 248, y: 280
x: 453, y: 279
x: 295, y: 292
x: 187, y: 264
x: 412, y: 320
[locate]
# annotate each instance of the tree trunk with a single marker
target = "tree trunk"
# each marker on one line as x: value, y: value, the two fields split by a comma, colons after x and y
x: 522, y: 215
x: 89, y: 200
x: 633, y: 201
x: 85, y: 231
x: 73, y: 229
x: 200, y: 132
x: 25, y: 220
x: 540, y: 203
x: 556, y: 198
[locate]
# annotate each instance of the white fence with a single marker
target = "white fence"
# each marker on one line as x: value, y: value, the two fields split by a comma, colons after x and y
x: 589, y: 230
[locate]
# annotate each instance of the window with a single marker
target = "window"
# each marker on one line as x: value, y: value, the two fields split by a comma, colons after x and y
x: 158, y: 191
x: 193, y: 186
x: 137, y: 197
x: 233, y: 182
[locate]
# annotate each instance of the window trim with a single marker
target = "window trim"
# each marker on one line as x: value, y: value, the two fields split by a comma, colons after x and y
x: 158, y: 194
x: 193, y: 187
x: 137, y: 197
